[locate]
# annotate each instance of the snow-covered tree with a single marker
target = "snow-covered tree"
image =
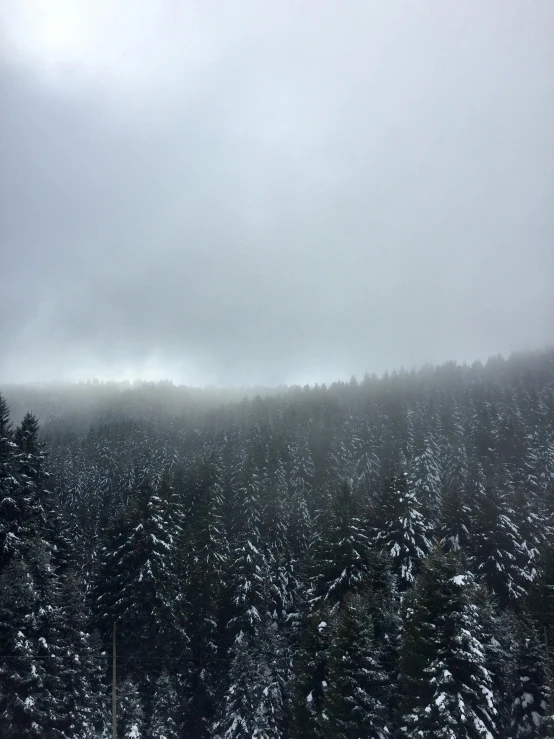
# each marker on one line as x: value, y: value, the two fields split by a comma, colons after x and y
x: 455, y: 520
x: 27, y: 708
x: 367, y: 475
x: 341, y: 553
x: 456, y: 466
x: 447, y: 686
x: 311, y: 676
x: 497, y: 547
x: 131, y: 724
x: 253, y: 704
x: 301, y: 518
x: 425, y: 476
x: 541, y: 607
x: 136, y: 584
x: 165, y: 715
x: 355, y: 699
x: 400, y: 529
x: 529, y: 718
x: 205, y: 553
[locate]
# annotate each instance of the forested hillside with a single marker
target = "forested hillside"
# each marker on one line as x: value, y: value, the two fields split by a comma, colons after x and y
x: 368, y: 560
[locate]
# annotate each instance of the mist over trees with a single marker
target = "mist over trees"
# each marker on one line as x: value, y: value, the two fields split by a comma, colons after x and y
x: 370, y: 559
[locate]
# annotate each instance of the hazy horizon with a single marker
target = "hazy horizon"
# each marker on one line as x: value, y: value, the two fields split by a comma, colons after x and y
x: 251, y: 194
x: 136, y: 381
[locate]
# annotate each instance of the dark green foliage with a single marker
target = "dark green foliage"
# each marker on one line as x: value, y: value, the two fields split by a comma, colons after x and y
x: 165, y: 716
x: 455, y: 525
x: 137, y: 589
x: 530, y: 694
x: 497, y: 547
x: 400, y: 529
x: 26, y: 705
x: 355, y: 701
x: 447, y: 686
x: 204, y: 556
x: 341, y: 553
x: 130, y: 720
x: 311, y: 677
x: 253, y: 703
x: 541, y: 607
x: 425, y: 476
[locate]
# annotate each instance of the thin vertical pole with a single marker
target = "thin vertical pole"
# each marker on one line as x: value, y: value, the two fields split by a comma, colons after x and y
x: 114, y: 694
x: 547, y: 661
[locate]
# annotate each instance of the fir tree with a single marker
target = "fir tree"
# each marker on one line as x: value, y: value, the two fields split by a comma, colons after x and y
x: 530, y: 696
x: 136, y: 584
x: 424, y: 476
x: 165, y: 718
x: 253, y: 700
x: 447, y: 685
x: 355, y: 699
x: 204, y: 572
x: 341, y: 552
x: 456, y: 468
x: 253, y: 704
x: 301, y: 517
x: 400, y: 529
x: 497, y: 547
x: 311, y: 674
x: 541, y: 606
x: 131, y: 724
x: 27, y: 709
x: 455, y: 521
x: 368, y: 473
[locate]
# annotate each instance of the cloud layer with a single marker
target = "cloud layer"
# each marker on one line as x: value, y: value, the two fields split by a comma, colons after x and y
x: 265, y: 192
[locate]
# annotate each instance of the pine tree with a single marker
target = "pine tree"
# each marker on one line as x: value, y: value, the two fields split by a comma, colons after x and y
x: 21, y: 513
x: 530, y: 697
x: 29, y: 703
x: 301, y: 516
x: 249, y: 566
x: 528, y: 526
x: 283, y: 570
x: 342, y: 550
x: 131, y: 724
x: 424, y: 476
x: 541, y: 607
x: 497, y: 548
x: 136, y: 584
x: 27, y: 709
x: 499, y: 638
x: 286, y: 592
x: 165, y: 718
x: 456, y: 468
x: 455, y: 520
x: 204, y: 569
x: 253, y: 700
x: 368, y: 473
x: 311, y: 673
x: 400, y: 529
x: 76, y: 673
x: 355, y: 700
x: 446, y: 682
x: 7, y: 448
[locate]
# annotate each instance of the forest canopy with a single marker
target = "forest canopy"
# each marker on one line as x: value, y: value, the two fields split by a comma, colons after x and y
x: 370, y: 559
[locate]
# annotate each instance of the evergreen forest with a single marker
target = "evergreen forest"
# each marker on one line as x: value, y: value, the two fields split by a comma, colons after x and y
x: 372, y: 559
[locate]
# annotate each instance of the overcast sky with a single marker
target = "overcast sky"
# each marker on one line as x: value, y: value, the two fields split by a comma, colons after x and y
x: 277, y: 191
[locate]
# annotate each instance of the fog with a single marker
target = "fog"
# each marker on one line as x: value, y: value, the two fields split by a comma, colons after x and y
x: 265, y: 192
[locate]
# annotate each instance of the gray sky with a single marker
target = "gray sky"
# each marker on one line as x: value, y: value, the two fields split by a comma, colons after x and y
x: 245, y: 192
